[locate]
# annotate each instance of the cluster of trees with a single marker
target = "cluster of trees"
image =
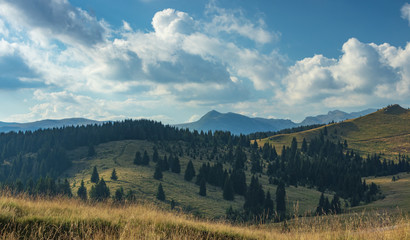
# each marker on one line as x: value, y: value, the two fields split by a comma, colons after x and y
x: 42, y: 187
x: 328, y: 166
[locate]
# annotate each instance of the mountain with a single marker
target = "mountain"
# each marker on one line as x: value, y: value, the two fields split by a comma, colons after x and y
x: 43, y: 124
x: 240, y: 124
x: 237, y: 123
x: 385, y: 131
x: 335, y: 116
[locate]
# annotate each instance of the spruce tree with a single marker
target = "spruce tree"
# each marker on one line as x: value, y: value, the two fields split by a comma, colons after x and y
x: 145, y: 158
x: 336, y: 205
x: 155, y: 156
x: 280, y: 200
x: 175, y: 165
x: 114, y: 175
x: 119, y: 195
x: 82, y: 191
x: 228, y: 192
x: 158, y: 172
x: 189, y: 172
x: 100, y: 191
x: 138, y: 158
x: 268, y: 205
x: 165, y: 164
x: 321, y: 205
x: 160, y: 193
x: 202, y: 187
x: 304, y: 146
x: 65, y: 189
x: 94, y: 176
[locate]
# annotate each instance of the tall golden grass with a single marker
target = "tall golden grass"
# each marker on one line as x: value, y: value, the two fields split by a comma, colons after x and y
x: 22, y: 217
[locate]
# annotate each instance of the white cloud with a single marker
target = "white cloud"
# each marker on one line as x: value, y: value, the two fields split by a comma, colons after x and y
x: 234, y: 21
x: 405, y: 12
x: 54, y: 18
x: 364, y: 74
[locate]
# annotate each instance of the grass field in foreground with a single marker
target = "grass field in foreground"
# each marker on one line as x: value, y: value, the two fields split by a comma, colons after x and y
x: 23, y: 218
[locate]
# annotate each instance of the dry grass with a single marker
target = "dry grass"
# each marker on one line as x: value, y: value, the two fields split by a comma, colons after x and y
x: 60, y: 218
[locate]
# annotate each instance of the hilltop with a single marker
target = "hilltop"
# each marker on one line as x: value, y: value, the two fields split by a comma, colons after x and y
x: 385, y: 131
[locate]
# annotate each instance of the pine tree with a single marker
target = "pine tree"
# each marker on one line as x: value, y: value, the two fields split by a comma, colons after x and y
x: 280, y: 200
x: 160, y: 193
x: 155, y: 156
x: 82, y: 192
x: 138, y: 158
x: 202, y: 187
x: 335, y: 205
x: 158, y: 173
x: 320, y: 208
x: 165, y: 164
x: 145, y: 158
x: 304, y: 146
x: 65, y: 189
x: 114, y: 175
x: 189, y: 172
x: 268, y: 205
x: 238, y: 178
x: 228, y: 193
x: 254, y: 198
x: 100, y: 191
x: 94, y: 176
x: 175, y: 165
x: 119, y: 195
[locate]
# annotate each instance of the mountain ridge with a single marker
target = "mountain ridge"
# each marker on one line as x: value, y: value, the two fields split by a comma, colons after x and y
x: 45, y: 124
x: 240, y: 124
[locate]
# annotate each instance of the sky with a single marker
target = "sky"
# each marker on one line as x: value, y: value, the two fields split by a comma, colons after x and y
x: 175, y: 60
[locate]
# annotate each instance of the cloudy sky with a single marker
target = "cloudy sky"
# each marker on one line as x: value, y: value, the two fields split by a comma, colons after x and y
x: 175, y: 60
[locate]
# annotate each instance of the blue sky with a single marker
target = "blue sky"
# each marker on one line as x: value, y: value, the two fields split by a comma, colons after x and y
x: 173, y: 61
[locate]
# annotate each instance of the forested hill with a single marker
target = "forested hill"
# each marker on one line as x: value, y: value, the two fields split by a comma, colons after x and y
x: 43, y: 152
x: 385, y: 131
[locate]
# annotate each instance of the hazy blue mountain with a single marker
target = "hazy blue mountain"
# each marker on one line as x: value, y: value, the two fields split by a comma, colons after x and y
x: 335, y: 116
x: 237, y: 123
x: 43, y: 124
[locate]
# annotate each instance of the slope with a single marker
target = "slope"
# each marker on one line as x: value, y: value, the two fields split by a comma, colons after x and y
x: 385, y: 131
x: 120, y: 155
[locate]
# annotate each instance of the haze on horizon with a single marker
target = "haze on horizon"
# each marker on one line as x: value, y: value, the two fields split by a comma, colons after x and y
x: 173, y: 61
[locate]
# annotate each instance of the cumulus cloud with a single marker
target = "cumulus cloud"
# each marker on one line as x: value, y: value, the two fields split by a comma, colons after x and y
x: 234, y: 21
x: 364, y: 74
x: 405, y: 12
x: 56, y: 18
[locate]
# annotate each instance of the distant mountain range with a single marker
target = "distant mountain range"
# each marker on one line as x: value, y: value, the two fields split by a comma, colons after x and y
x: 44, y: 124
x: 213, y: 120
x: 237, y: 124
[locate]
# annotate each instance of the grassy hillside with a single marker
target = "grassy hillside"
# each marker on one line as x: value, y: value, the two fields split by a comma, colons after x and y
x: 120, y: 155
x: 386, y: 131
x: 23, y: 218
